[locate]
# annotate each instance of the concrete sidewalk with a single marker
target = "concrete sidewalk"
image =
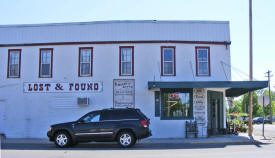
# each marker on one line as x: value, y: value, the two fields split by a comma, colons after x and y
x: 242, y: 138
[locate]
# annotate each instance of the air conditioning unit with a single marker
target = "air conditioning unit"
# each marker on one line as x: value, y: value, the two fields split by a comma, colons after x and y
x: 83, y: 101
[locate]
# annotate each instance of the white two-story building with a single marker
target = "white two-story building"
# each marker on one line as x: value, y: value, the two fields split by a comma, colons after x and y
x: 174, y: 71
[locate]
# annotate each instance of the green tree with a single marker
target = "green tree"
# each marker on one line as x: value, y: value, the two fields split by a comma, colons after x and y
x: 236, y: 107
x: 242, y: 105
x: 257, y: 109
x: 256, y: 106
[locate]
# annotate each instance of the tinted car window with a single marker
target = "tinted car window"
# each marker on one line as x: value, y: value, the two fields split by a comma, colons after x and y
x: 142, y: 115
x: 92, y: 117
x: 95, y: 118
x: 107, y: 115
x: 119, y: 114
x: 129, y: 114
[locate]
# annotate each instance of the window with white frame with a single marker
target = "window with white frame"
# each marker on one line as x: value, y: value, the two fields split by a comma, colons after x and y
x: 202, y: 60
x: 168, y: 61
x: 126, y: 61
x: 14, y: 63
x: 85, y: 61
x: 46, y: 62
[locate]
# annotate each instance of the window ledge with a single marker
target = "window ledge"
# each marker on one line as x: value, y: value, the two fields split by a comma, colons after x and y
x: 206, y: 75
x: 13, y: 77
x: 85, y: 76
x: 45, y: 76
x: 168, y: 75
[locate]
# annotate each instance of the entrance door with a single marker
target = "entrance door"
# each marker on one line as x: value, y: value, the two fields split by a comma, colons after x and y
x: 215, y: 112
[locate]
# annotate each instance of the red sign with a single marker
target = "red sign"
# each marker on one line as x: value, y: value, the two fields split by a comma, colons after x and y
x: 174, y: 96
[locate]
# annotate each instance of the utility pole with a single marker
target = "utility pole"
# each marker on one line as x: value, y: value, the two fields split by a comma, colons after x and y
x: 263, y: 113
x: 250, y: 127
x: 268, y: 74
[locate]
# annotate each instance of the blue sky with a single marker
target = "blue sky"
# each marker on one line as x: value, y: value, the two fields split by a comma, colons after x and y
x: 235, y: 11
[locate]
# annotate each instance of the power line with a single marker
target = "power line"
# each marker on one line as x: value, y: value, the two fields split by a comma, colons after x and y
x: 243, y: 75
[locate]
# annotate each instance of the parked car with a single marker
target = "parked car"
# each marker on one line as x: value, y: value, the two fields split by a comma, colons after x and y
x: 258, y: 120
x: 122, y: 125
x: 267, y: 121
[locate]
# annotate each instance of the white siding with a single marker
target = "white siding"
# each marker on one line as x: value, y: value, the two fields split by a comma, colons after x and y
x: 31, y: 114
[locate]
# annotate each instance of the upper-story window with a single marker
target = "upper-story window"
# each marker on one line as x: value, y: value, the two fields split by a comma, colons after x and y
x: 168, y: 66
x: 85, y: 61
x: 45, y: 62
x: 14, y: 62
x: 126, y: 65
x: 203, y: 61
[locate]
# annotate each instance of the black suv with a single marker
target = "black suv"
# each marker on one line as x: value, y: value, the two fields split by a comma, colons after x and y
x: 122, y: 125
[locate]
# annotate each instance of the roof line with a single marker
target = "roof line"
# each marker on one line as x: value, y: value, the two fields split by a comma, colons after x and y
x: 118, y: 42
x: 116, y: 21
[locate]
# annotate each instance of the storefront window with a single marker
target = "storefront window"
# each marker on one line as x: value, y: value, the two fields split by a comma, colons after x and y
x: 177, y: 104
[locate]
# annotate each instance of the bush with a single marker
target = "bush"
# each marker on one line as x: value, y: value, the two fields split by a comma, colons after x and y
x: 237, y: 122
x: 243, y: 129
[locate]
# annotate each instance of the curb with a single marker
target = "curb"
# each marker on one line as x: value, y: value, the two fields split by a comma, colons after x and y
x: 190, y: 143
x: 240, y: 143
x: 38, y: 141
x: 205, y: 142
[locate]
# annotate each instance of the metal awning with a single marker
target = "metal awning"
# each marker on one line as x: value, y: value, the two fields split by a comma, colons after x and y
x: 233, y: 88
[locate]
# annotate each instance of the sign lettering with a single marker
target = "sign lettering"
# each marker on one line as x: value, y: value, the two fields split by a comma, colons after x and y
x: 63, y: 87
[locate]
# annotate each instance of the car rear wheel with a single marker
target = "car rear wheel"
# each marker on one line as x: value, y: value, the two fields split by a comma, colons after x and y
x: 62, y: 139
x: 126, y: 139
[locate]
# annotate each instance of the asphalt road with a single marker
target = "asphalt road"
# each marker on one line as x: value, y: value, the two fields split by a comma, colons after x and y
x: 139, y: 151
x: 112, y: 150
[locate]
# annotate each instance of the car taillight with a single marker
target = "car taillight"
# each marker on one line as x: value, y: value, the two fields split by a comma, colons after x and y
x: 144, y: 123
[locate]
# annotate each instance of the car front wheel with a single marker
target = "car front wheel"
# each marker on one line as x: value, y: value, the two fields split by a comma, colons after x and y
x: 62, y: 139
x: 126, y: 139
